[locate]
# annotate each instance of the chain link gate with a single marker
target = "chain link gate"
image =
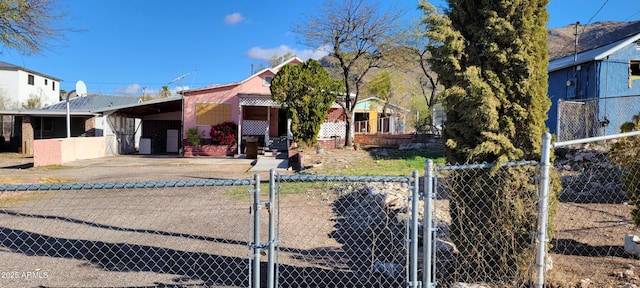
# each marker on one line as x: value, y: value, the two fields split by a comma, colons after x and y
x: 339, y: 231
x: 136, y: 234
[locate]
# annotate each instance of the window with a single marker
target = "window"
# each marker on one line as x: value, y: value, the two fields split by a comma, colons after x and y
x: 42, y: 124
x: 258, y: 113
x: 266, y: 81
x: 212, y: 113
x: 53, y: 86
x: 46, y: 81
x: 31, y: 79
x: 634, y: 71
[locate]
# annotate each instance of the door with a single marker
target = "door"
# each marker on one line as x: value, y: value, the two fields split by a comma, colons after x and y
x: 172, y: 140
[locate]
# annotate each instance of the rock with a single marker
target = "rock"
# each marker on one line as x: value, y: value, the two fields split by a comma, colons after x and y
x: 467, y: 285
x: 632, y: 244
x: 411, y: 146
x: 443, y: 246
x: 391, y: 270
x: 586, y: 282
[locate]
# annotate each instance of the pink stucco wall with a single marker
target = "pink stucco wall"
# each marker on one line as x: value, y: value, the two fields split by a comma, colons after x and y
x: 222, y: 94
x: 62, y: 150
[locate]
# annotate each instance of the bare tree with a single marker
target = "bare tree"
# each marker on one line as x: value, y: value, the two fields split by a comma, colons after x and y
x: 277, y: 60
x: 358, y: 34
x: 28, y: 25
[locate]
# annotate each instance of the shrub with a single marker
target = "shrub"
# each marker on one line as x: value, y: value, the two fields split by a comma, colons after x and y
x: 193, y: 136
x: 224, y: 133
x: 625, y: 152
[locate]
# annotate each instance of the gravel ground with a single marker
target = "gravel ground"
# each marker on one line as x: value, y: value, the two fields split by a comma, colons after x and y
x: 156, y: 237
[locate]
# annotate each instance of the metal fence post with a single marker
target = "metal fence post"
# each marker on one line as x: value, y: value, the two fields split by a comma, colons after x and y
x: 427, y: 234
x: 272, y: 237
x: 256, y: 232
x: 415, y: 197
x: 543, y: 210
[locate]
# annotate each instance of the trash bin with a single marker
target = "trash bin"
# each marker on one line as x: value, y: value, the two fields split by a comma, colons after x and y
x: 252, y: 148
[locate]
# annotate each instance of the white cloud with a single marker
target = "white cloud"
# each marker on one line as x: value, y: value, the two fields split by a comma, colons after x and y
x: 267, y: 53
x: 233, y: 18
x: 133, y: 89
x: 177, y: 89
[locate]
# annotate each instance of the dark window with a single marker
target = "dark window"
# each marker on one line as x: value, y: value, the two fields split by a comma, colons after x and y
x: 42, y: 124
x: 634, y: 67
x: 266, y: 81
x: 31, y: 79
x: 46, y: 81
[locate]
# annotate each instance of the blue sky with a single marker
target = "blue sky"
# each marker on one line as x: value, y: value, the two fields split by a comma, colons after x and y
x: 123, y: 47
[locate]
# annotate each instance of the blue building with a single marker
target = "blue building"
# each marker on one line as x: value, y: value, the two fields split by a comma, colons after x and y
x: 593, y: 92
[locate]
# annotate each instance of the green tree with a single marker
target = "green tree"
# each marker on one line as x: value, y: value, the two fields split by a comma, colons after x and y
x: 27, y: 25
x: 359, y: 34
x: 380, y: 86
x: 491, y: 58
x: 306, y: 92
x: 34, y: 102
x: 165, y: 92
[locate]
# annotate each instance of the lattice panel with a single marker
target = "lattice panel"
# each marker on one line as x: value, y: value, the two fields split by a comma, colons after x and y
x: 331, y: 129
x: 258, y: 101
x: 254, y: 127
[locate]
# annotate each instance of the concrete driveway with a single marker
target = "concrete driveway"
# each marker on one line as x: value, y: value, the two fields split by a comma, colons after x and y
x: 16, y: 168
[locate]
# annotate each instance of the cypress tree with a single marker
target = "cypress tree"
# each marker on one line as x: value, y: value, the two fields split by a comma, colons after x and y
x: 491, y: 56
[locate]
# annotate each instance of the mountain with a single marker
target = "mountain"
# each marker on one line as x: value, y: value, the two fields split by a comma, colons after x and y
x: 561, y: 41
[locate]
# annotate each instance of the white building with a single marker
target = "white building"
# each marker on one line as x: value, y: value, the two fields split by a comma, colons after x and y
x: 18, y: 85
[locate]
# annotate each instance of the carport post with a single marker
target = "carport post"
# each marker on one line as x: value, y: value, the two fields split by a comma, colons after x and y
x: 68, y: 115
x: 256, y: 232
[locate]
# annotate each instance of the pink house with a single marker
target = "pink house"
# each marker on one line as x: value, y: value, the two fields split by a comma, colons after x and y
x: 248, y: 103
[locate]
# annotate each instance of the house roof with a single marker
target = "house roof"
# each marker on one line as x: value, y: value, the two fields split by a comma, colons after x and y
x: 273, y: 70
x: 156, y: 106
x: 93, y: 102
x: 8, y: 66
x: 595, y: 54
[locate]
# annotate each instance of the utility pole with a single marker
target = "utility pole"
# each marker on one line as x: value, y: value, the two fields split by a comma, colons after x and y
x: 575, y: 48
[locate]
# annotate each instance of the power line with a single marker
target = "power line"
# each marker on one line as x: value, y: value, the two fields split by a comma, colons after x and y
x: 597, y: 12
x: 634, y: 14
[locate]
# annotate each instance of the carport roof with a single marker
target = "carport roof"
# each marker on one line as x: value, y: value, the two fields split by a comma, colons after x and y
x: 46, y: 113
x: 157, y: 106
x: 93, y: 102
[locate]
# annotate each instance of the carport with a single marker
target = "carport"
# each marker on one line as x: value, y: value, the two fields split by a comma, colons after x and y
x: 157, y: 122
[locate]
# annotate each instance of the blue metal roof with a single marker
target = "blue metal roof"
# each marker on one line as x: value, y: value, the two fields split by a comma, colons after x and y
x: 590, y: 55
x: 93, y: 102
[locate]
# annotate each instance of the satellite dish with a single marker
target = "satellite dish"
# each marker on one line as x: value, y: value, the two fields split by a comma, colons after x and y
x: 81, y: 89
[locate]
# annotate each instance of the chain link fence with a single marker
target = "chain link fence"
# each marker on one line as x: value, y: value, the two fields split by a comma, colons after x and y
x: 346, y: 231
x: 142, y: 234
x: 486, y: 225
x: 594, y: 214
x: 584, y: 118
x: 319, y: 231
x: 483, y: 223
